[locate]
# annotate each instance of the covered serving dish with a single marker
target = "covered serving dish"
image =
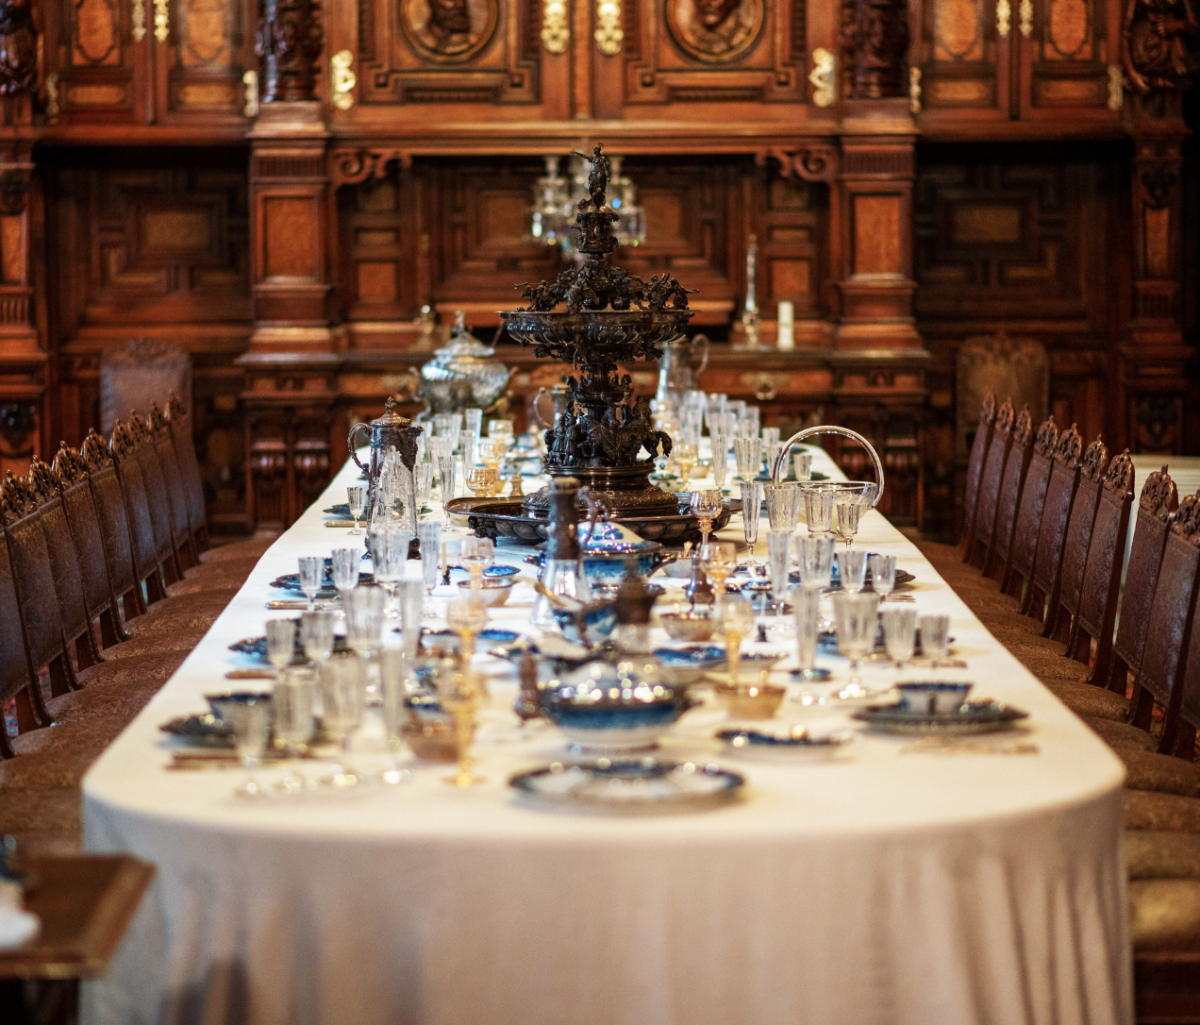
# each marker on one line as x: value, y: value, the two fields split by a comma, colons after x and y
x: 463, y: 375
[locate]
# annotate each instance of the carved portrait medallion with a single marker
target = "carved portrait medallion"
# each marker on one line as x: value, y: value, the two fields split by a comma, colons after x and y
x: 715, y: 31
x: 448, y: 30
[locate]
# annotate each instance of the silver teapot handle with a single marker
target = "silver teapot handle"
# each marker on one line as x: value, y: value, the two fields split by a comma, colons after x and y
x: 703, y: 359
x: 350, y: 442
x: 845, y: 432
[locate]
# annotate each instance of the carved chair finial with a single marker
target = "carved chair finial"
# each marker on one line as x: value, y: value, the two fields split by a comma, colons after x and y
x: 69, y: 465
x: 1046, y: 437
x: 1024, y: 428
x: 95, y: 451
x: 1186, y: 524
x: 1160, y: 497
x: 1095, y: 459
x: 1005, y: 417
x: 42, y: 480
x: 987, y: 413
x: 1069, y: 448
x: 1118, y: 478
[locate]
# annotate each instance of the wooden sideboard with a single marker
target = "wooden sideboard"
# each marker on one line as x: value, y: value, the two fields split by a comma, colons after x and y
x: 279, y: 187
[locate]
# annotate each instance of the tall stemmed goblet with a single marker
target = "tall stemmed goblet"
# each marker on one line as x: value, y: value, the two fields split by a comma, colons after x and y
x: 345, y: 569
x: 747, y: 453
x: 753, y: 418
x: 783, y: 506
x: 883, y: 574
x: 720, y: 456
x: 430, y: 535
x: 852, y: 570
x: 343, y: 691
x: 735, y: 619
x: 316, y: 635
x: 751, y: 507
x: 477, y: 554
x: 356, y: 496
x: 771, y: 450
x: 818, y: 509
x: 394, y: 674
x: 935, y: 638
x: 281, y: 643
x: 460, y: 695
x: 409, y: 596
x: 251, y: 720
x: 312, y: 577
x: 685, y: 455
x: 899, y: 633
x: 718, y: 559
x: 806, y: 603
x: 466, y: 617
x: 706, y: 507
x: 848, y: 510
x: 364, y: 621
x: 779, y: 550
x: 292, y: 705
x: 423, y: 485
x: 815, y: 556
x: 389, y: 555
x: 857, y: 621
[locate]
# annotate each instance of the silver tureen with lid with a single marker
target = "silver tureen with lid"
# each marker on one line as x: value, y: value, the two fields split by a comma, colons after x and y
x: 463, y: 375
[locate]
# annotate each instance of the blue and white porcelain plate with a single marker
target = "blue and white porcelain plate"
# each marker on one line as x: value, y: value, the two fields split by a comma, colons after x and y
x: 973, y: 717
x: 630, y: 787
x: 746, y: 740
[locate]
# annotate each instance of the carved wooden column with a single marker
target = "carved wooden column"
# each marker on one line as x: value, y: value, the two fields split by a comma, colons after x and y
x: 23, y: 360
x: 1154, y: 52
x: 290, y: 395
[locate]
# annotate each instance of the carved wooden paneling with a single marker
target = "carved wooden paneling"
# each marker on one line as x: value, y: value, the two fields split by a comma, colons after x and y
x: 791, y: 219
x: 1064, y: 64
x: 143, y: 240
x: 683, y: 53
x: 93, y: 60
x: 439, y: 53
x: 1006, y: 239
x: 202, y: 79
x: 963, y: 63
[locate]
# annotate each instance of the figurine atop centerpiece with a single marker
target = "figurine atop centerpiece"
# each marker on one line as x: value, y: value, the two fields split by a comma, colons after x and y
x: 597, y: 317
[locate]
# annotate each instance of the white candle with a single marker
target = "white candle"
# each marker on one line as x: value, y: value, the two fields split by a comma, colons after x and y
x: 786, y: 339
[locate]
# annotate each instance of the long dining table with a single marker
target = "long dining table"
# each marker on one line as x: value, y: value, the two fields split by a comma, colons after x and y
x: 980, y: 881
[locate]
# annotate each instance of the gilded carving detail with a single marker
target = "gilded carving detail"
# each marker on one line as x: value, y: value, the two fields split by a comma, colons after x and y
x: 137, y: 17
x: 1069, y: 448
x: 821, y: 77
x: 609, y: 34
x: 1003, y: 18
x: 555, y: 31
x: 1046, y: 438
x: 162, y: 27
x: 1119, y: 475
x: 1159, y: 496
x: 343, y: 79
x: 1094, y: 460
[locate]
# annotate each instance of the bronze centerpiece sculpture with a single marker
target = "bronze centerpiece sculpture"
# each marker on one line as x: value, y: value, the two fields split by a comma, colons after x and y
x: 598, y: 317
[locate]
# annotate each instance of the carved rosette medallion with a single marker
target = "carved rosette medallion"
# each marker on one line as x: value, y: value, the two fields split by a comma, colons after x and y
x: 448, y: 30
x: 715, y: 31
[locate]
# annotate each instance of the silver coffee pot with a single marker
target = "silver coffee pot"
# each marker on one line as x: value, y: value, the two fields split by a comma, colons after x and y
x: 675, y: 372
x: 392, y: 461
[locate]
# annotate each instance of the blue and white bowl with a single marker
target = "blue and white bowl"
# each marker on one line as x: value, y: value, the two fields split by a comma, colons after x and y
x: 683, y: 666
x: 620, y: 707
x: 608, y: 550
x: 932, y: 697
x: 599, y: 621
x: 497, y: 572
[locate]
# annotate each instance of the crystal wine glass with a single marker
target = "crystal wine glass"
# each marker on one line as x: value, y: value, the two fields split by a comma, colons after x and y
x: 364, y: 618
x: 281, y: 643
x: 815, y: 556
x: 477, y: 554
x: 460, y: 695
x: 481, y: 480
x: 706, y: 506
x: 735, y: 618
x: 751, y: 506
x: 720, y: 454
x: 292, y: 705
x: 935, y: 638
x: 312, y: 577
x: 848, y: 511
x: 356, y: 496
x: 783, y: 506
x: 430, y: 535
x: 852, y: 570
x: 394, y: 679
x: 686, y: 454
x: 343, y: 692
x: 466, y: 617
x: 802, y: 464
x: 409, y: 596
x: 818, y: 509
x: 345, y: 569
x: 883, y: 574
x: 251, y: 719
x: 316, y: 634
x: 806, y: 602
x: 857, y: 622
x: 747, y: 452
x: 718, y: 559
x: 899, y: 633
x: 779, y: 550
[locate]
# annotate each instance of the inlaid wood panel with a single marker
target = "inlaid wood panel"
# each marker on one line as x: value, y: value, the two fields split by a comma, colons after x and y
x: 1065, y: 62
x: 144, y: 238
x: 682, y: 54
x: 962, y: 61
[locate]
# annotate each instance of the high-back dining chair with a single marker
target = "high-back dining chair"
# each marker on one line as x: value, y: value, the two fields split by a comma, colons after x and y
x: 71, y: 478
x: 143, y: 452
x: 980, y: 545
x: 1012, y: 482
x: 1018, y: 568
x: 975, y: 463
x: 168, y: 464
x: 1052, y: 536
x: 189, y: 470
x: 1168, y: 624
x: 17, y: 675
x: 149, y: 546
x: 125, y: 558
x: 1156, y: 507
x: 1078, y: 537
x: 1093, y: 608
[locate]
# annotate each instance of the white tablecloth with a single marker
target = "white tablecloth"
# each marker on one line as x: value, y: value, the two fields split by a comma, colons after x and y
x: 888, y: 885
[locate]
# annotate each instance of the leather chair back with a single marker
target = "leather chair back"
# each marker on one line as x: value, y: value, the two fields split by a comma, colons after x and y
x: 978, y: 456
x: 989, y: 482
x: 113, y: 514
x: 1016, y: 465
x: 142, y: 535
x: 16, y: 672
x: 1033, y: 499
x: 1080, y: 525
x: 1100, y: 588
x: 156, y: 497
x: 1060, y: 497
x: 1157, y: 505
x: 164, y: 451
x: 189, y: 469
